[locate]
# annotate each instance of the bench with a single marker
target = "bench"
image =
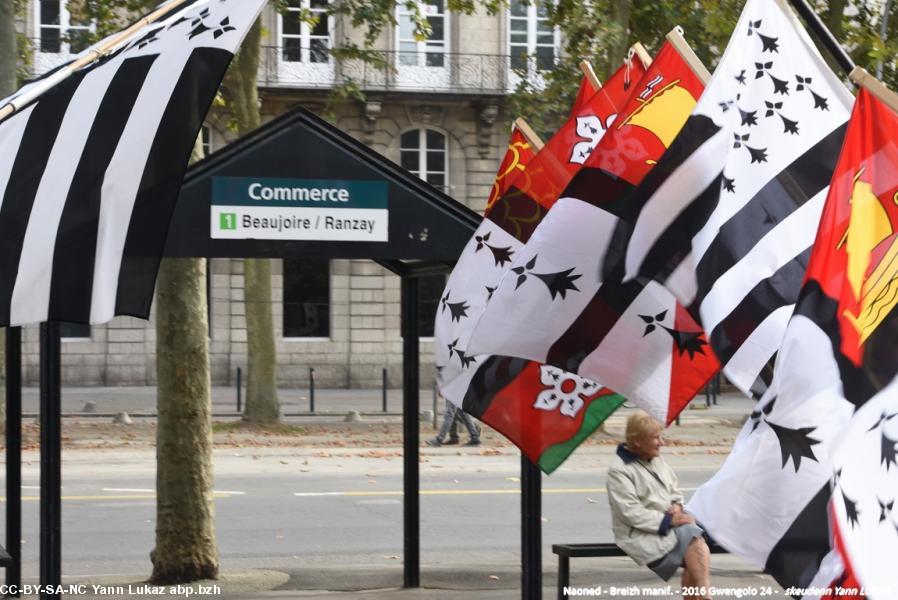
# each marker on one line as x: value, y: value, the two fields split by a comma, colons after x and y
x: 567, y: 551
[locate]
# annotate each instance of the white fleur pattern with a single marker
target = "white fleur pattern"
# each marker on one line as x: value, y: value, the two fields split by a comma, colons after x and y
x: 566, y: 392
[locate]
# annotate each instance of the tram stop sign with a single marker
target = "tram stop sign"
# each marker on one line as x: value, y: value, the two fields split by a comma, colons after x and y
x: 298, y: 187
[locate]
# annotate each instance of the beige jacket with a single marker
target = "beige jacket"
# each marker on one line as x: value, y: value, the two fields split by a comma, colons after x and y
x: 640, y: 492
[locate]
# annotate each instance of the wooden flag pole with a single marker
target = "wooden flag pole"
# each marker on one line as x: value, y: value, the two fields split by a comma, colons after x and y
x: 644, y: 57
x: 676, y: 39
x: 92, y: 56
x: 590, y: 74
x: 534, y: 140
x: 862, y: 78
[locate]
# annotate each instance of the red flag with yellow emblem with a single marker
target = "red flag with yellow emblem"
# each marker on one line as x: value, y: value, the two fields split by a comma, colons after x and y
x: 519, y: 153
x: 855, y: 259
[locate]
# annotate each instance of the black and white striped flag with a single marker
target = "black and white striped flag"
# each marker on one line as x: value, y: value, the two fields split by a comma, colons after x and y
x: 91, y: 170
x: 729, y: 214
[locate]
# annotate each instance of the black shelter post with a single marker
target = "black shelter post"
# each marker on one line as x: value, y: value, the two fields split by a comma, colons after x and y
x: 531, y: 531
x: 51, y: 460
x: 14, y: 457
x: 411, y: 483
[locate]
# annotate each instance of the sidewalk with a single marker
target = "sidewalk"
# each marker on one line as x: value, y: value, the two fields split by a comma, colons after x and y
x: 328, y: 402
x: 730, y: 575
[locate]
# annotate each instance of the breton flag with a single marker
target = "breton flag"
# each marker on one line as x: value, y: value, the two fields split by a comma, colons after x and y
x: 634, y: 338
x: 817, y: 417
x: 543, y: 410
x: 90, y: 171
x: 729, y: 214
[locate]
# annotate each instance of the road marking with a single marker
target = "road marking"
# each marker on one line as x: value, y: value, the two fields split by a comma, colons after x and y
x: 133, y: 496
x: 362, y: 493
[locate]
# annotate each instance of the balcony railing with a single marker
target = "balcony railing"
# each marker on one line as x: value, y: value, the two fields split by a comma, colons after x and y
x: 438, y: 72
x: 451, y: 73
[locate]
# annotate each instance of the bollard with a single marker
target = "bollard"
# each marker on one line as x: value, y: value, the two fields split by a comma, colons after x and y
x: 716, y: 386
x: 383, y: 388
x: 708, y: 394
x: 434, y: 404
x: 239, y: 390
x: 311, y: 390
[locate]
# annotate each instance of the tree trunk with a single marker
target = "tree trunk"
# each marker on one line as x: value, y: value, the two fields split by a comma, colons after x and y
x: 620, y: 45
x: 8, y: 58
x: 8, y: 54
x: 833, y: 16
x: 261, y: 383
x: 185, y: 549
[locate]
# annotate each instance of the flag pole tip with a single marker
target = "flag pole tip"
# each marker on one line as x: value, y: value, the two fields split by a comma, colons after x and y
x: 644, y: 57
x: 590, y: 74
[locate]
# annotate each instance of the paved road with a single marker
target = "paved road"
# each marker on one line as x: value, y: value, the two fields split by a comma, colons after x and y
x: 290, y: 509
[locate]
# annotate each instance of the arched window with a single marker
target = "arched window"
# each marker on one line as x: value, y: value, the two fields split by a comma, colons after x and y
x: 530, y: 35
x: 425, y: 152
x: 300, y: 41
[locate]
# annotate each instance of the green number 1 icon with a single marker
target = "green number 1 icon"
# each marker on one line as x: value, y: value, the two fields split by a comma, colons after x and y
x: 228, y: 221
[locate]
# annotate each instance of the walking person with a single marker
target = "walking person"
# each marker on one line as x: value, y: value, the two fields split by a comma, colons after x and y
x: 449, y: 417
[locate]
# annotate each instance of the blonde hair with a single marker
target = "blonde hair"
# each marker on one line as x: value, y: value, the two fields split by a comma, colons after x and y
x: 640, y: 425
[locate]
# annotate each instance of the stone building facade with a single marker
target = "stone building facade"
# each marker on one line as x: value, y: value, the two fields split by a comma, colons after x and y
x: 437, y: 110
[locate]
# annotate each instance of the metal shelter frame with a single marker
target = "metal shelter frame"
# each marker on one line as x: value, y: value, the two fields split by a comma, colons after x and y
x: 427, y: 232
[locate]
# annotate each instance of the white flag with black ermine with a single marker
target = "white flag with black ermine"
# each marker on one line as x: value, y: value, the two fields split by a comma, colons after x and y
x: 865, y: 488
x: 729, y: 213
x: 91, y: 170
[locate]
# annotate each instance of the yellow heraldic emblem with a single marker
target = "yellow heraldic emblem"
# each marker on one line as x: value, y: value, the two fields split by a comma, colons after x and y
x: 868, y: 227
x: 514, y: 165
x: 664, y: 113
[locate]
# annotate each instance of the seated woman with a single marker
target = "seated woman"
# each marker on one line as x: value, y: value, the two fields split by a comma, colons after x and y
x: 647, y: 515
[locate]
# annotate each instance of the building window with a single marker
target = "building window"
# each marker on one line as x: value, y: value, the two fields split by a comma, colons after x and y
x: 74, y: 330
x: 206, y: 132
x: 530, y: 35
x: 306, y: 298
x: 300, y: 41
x: 430, y: 289
x: 424, y: 152
x: 423, y: 53
x: 60, y: 31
